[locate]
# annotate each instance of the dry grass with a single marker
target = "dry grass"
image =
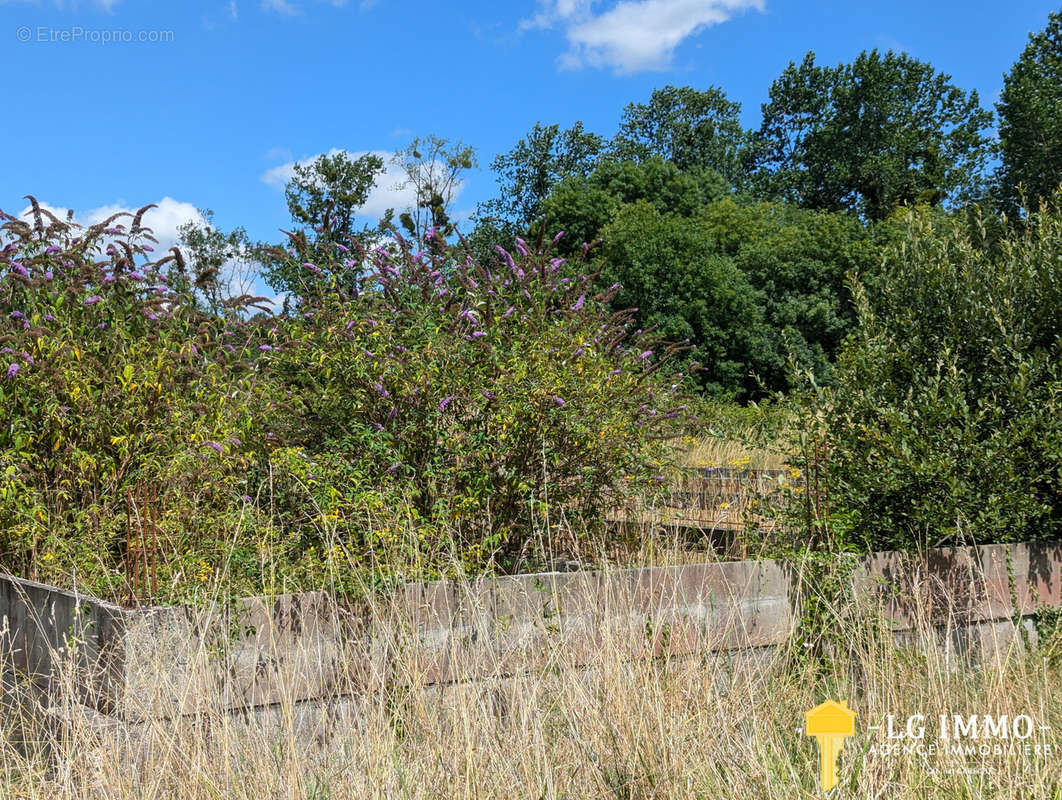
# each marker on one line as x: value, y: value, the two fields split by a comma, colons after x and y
x: 641, y: 727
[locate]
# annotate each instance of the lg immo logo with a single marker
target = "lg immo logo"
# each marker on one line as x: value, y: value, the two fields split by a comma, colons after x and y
x: 925, y: 736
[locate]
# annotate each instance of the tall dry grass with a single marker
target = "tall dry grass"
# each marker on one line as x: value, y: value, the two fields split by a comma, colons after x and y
x: 628, y: 725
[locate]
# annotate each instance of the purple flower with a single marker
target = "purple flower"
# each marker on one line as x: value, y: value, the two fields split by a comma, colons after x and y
x: 508, y: 312
x: 108, y: 279
x: 91, y: 301
x: 148, y: 249
x: 236, y: 442
x: 246, y: 498
x: 579, y: 303
x: 150, y: 316
x: 616, y: 372
x: 341, y: 247
x: 266, y: 347
x: 645, y: 355
x: 378, y: 426
x: 578, y: 352
x: 521, y: 246
x: 557, y: 238
x: 12, y: 370
x: 21, y: 270
x: 316, y: 270
x: 445, y: 402
x: 487, y: 394
x: 48, y: 275
x: 505, y: 254
x: 559, y: 401
x: 49, y: 318
x: 477, y: 334
x: 17, y: 315
x: 137, y: 276
x: 52, y: 249
x: 381, y: 390
x: 392, y: 468
x: 214, y: 446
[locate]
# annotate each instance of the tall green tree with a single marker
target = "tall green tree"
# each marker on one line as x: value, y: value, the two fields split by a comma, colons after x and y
x: 527, y: 173
x: 884, y: 131
x: 323, y: 199
x: 692, y: 129
x: 1030, y: 119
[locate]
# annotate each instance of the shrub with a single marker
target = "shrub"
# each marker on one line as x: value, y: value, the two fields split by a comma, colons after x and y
x: 477, y: 402
x: 944, y: 423
x: 112, y: 382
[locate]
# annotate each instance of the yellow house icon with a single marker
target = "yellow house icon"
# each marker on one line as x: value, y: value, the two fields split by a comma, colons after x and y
x: 830, y: 723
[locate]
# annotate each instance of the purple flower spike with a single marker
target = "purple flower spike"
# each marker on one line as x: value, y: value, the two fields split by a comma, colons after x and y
x: 316, y: 270
x: 246, y: 498
x: 49, y: 318
x: 91, y: 301
x: 508, y: 312
x: 645, y: 355
x: 52, y: 249
x: 521, y: 246
x: 265, y: 348
x: 48, y: 275
x: 382, y: 391
x: 12, y: 370
x: 487, y: 394
x: 478, y: 334
x: 214, y: 446
x: 505, y: 254
x: 342, y: 248
x: 108, y: 279
x: 579, y: 303
x: 559, y: 401
x: 17, y: 315
x: 148, y: 248
x: 21, y: 270
x: 558, y: 237
x: 445, y: 402
x: 137, y: 276
x: 236, y: 442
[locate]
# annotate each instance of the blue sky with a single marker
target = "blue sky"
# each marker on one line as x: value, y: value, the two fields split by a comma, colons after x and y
x: 213, y: 115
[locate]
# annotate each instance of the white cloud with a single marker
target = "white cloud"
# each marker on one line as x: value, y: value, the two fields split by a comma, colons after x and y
x: 280, y: 6
x: 633, y: 35
x: 233, y: 11
x: 388, y: 192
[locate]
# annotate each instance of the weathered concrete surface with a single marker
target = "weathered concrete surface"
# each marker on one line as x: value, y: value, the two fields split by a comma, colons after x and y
x: 146, y: 663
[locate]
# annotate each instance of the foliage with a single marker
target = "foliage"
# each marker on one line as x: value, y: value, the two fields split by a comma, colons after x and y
x: 1030, y: 120
x: 796, y: 261
x: 692, y: 129
x: 584, y: 206
x: 323, y: 197
x: 214, y: 256
x: 480, y: 398
x: 944, y: 424
x: 867, y: 137
x: 433, y: 168
x: 112, y: 381
x: 527, y: 173
x: 684, y: 289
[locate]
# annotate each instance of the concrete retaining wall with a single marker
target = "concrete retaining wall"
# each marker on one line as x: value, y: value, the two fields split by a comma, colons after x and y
x: 151, y: 662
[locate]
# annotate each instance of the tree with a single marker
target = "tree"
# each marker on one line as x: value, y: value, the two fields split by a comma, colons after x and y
x: 583, y: 206
x: 867, y: 137
x: 216, y: 266
x: 692, y: 129
x: 528, y: 172
x: 433, y: 168
x: 323, y: 198
x: 683, y: 289
x: 1030, y: 119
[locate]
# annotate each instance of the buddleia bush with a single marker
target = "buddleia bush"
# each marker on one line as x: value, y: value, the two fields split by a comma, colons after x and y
x: 449, y: 406
x: 114, y: 387
x: 945, y: 424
